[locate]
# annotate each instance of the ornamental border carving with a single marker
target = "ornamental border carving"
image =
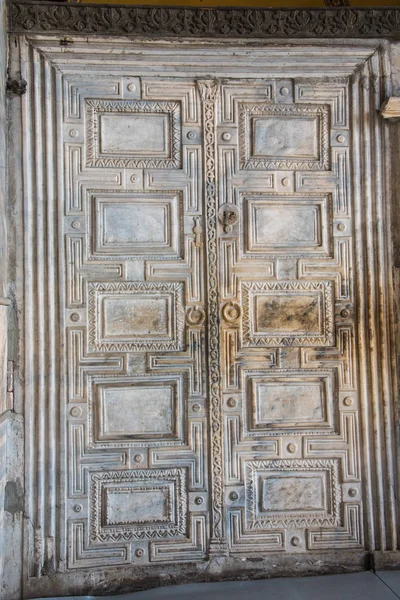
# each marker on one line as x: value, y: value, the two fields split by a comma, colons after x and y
x: 150, y: 21
x: 328, y: 518
x: 247, y: 161
x: 279, y: 340
x: 94, y: 158
x: 129, y: 289
x: 127, y: 531
x: 209, y: 90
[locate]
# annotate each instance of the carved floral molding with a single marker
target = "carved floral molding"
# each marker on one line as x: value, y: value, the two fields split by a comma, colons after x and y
x: 37, y: 17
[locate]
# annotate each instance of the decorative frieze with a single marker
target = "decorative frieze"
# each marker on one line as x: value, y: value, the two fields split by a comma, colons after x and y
x: 34, y: 17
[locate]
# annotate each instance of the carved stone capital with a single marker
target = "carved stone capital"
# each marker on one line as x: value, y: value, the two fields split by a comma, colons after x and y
x: 209, y: 89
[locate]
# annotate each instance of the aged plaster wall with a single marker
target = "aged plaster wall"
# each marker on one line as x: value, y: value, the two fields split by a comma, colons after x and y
x: 3, y: 308
x: 394, y: 145
x: 11, y: 423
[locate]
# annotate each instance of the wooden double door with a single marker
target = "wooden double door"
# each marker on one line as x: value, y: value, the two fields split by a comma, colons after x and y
x: 190, y: 313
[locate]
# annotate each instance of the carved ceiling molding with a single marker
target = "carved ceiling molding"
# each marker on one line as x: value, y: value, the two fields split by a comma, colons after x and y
x: 150, y: 21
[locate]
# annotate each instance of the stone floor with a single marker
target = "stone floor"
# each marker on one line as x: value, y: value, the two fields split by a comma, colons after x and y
x: 383, y: 585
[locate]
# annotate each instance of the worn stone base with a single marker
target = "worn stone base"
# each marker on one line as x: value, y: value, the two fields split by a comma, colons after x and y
x: 122, y: 581
x: 385, y: 561
x: 12, y: 499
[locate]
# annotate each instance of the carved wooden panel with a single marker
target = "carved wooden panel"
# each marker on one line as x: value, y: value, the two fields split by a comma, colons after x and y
x: 202, y: 372
x: 135, y: 321
x: 285, y: 242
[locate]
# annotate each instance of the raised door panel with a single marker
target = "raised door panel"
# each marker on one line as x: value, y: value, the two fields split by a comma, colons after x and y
x: 137, y: 480
x: 289, y: 397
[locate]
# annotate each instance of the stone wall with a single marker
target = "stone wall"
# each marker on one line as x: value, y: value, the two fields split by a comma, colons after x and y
x: 11, y: 424
x: 3, y: 307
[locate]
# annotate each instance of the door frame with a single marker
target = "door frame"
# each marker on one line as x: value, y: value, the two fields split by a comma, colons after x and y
x: 381, y: 277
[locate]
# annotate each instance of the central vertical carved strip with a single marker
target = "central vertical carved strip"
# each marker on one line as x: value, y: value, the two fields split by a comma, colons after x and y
x: 209, y: 90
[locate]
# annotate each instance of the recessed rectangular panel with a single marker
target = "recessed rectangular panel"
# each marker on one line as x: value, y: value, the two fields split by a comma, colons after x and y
x: 140, y: 224
x: 137, y: 410
x: 284, y: 492
x: 291, y: 226
x: 287, y: 313
x: 283, y: 402
x: 287, y: 400
x: 135, y: 225
x: 137, y: 504
x: 131, y: 224
x: 139, y: 316
x: 136, y: 134
x: 285, y: 225
x: 127, y: 505
x: 292, y: 493
x: 135, y: 316
x: 133, y: 134
x: 285, y: 137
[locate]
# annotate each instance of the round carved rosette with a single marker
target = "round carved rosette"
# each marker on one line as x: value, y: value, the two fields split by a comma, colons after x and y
x: 231, y: 312
x: 195, y: 316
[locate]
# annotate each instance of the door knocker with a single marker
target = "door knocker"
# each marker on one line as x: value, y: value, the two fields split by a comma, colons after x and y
x: 228, y: 216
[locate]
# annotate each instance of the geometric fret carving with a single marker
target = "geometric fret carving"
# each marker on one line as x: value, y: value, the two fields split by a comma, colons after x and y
x: 345, y: 445
x: 78, y: 271
x: 82, y: 460
x: 235, y: 91
x: 187, y: 269
x: 171, y: 89
x: 77, y: 180
x: 341, y: 166
x: 191, y: 457
x: 80, y: 364
x: 334, y: 93
x: 243, y: 541
x: 342, y: 357
x: 78, y: 86
x: 83, y: 556
x: 188, y: 179
x: 336, y: 268
x: 192, y: 360
x: 348, y: 536
x: 192, y: 550
x: 235, y: 268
